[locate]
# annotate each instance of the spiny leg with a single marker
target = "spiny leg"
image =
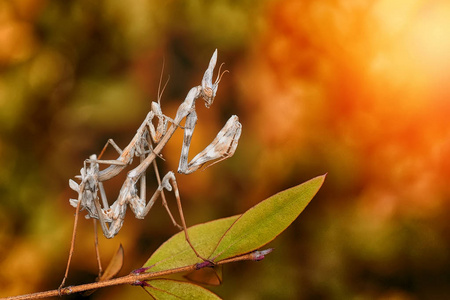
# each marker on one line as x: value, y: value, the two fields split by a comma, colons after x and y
x: 141, y: 212
x: 83, y: 192
x: 143, y: 193
x: 101, y: 218
x: 110, y: 161
x: 143, y: 185
x: 112, y: 143
x: 180, y: 210
x: 163, y: 198
x: 72, y: 245
x: 103, y: 196
x: 97, y: 252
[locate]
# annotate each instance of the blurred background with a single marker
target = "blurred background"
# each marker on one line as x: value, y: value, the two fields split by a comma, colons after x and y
x: 356, y: 89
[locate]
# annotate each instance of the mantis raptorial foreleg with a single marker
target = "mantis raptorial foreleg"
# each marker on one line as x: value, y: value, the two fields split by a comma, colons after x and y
x: 191, y: 121
x: 222, y: 147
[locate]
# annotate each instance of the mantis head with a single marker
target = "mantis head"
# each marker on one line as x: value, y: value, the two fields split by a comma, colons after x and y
x: 209, y: 89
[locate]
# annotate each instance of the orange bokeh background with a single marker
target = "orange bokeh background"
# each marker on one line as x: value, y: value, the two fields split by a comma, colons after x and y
x: 359, y: 90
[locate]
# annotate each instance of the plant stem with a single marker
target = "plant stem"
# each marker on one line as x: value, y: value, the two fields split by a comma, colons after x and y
x: 129, y: 279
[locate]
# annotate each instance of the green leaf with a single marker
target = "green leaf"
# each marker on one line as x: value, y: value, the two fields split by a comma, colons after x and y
x: 265, y: 221
x: 172, y: 289
x: 232, y: 236
x: 176, y: 252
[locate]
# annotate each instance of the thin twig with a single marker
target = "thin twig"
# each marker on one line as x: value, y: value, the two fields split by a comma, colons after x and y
x: 135, y: 278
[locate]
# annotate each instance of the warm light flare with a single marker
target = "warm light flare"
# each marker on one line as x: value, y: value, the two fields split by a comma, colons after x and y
x: 430, y: 38
x: 413, y: 41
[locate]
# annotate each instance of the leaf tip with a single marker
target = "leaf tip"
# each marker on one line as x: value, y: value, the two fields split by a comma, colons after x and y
x: 321, y: 178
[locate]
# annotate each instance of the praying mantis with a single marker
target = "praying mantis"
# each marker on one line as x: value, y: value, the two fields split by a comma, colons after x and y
x: 147, y: 144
